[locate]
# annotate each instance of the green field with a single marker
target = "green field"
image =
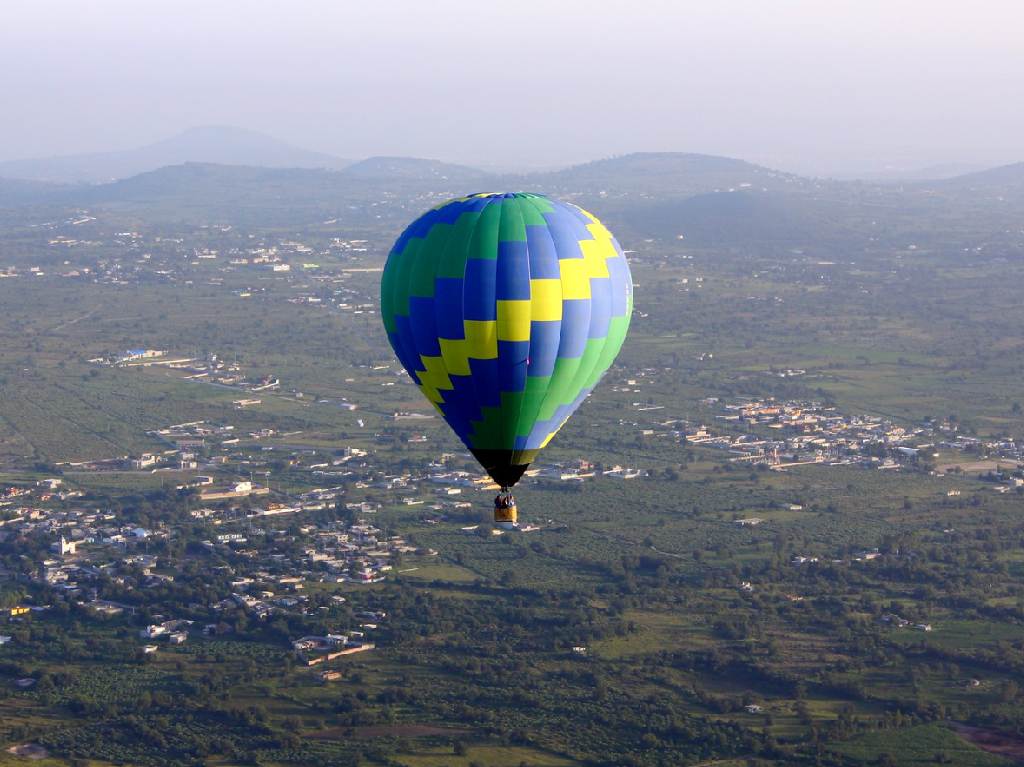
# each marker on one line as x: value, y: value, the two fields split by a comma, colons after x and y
x: 924, y: 745
x: 704, y: 642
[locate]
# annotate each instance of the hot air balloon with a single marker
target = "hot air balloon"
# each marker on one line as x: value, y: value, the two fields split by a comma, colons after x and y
x: 506, y: 309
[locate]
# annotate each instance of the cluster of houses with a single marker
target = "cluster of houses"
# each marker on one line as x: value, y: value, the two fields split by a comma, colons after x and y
x: 360, y: 553
x: 783, y: 434
x: 440, y: 487
x: 77, y: 573
x: 20, y: 497
x: 792, y: 433
x: 867, y: 555
x: 171, y: 257
x: 786, y: 434
x: 581, y: 469
x: 76, y: 536
x: 174, y: 632
x: 332, y: 553
x: 901, y: 623
x: 208, y: 368
x: 269, y: 568
x: 86, y: 545
x: 314, y: 650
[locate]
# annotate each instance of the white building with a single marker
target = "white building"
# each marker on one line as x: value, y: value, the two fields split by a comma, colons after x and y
x: 64, y: 547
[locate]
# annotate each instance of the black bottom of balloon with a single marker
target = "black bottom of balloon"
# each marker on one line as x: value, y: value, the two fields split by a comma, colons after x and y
x: 505, y: 466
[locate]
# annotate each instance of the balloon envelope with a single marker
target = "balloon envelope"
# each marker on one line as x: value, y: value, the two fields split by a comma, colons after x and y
x: 506, y: 309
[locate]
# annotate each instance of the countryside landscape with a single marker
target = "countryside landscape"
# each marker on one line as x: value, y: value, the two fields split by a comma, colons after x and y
x: 784, y: 530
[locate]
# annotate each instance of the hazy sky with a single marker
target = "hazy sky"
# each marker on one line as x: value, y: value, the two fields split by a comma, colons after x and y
x: 814, y: 86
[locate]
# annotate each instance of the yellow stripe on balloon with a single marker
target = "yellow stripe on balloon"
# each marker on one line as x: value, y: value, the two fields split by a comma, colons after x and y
x: 481, y: 339
x: 575, y: 278
x: 595, y: 254
x: 455, y: 353
x: 545, y: 300
x: 514, y: 320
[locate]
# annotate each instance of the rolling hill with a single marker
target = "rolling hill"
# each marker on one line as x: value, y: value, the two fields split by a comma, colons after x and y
x: 15, y: 192
x: 674, y: 174
x: 276, y: 196
x: 1005, y: 179
x: 412, y: 169
x: 710, y: 201
x: 212, y: 144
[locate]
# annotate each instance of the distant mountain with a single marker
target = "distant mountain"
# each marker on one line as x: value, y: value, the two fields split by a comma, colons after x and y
x: 710, y: 201
x: 363, y: 179
x: 894, y: 174
x: 643, y: 176
x: 660, y: 195
x: 16, y: 191
x: 226, y: 192
x: 214, y: 144
x: 269, y: 196
x: 1000, y: 188
x: 733, y: 219
x: 199, y: 180
x: 1005, y: 176
x: 675, y: 174
x: 306, y: 193
x: 411, y: 169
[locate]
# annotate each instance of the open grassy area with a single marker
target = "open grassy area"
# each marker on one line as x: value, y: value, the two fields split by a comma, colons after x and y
x: 922, y: 745
x: 498, y: 756
x: 686, y: 617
